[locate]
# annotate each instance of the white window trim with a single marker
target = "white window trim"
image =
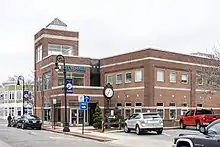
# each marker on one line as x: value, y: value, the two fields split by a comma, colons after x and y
x: 175, y: 77
x: 138, y: 80
x: 161, y: 108
x: 172, y: 108
x: 183, y: 109
x: 126, y: 77
x: 112, y: 79
x: 119, y: 82
x: 187, y: 75
x: 163, y: 75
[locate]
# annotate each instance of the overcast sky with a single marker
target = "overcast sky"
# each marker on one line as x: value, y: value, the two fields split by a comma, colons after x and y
x: 107, y: 27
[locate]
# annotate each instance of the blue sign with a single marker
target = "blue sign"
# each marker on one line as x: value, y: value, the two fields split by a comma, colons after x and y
x: 86, y: 98
x: 26, y: 94
x: 69, y: 86
x: 79, y: 68
x: 83, y: 106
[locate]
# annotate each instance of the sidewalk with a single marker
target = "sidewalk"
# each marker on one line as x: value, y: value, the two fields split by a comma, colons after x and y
x: 89, y: 132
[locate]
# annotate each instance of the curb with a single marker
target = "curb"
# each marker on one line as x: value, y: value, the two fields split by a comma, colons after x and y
x: 93, y: 137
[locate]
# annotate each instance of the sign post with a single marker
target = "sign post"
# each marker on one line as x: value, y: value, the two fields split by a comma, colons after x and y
x: 54, y: 105
x: 83, y: 105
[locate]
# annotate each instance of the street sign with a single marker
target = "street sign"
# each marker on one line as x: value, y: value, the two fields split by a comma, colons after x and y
x: 83, y: 106
x: 26, y: 95
x: 69, y: 86
x: 81, y: 98
x: 86, y: 98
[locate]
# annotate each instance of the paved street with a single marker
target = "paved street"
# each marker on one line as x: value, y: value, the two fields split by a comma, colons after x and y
x: 14, y: 137
x: 35, y: 138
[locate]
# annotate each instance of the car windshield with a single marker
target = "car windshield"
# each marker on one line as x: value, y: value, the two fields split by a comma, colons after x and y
x: 31, y: 117
x: 151, y: 115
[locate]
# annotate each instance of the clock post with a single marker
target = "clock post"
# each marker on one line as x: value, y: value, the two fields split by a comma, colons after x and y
x: 108, y: 93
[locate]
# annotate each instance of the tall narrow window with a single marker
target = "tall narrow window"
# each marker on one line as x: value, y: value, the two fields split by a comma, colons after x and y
x: 160, y: 76
x: 110, y: 79
x: 138, y: 76
x: 118, y: 78
x: 184, y: 77
x: 128, y: 77
x: 173, y: 77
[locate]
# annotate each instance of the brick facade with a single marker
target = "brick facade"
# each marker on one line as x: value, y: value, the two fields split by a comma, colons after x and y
x: 148, y: 92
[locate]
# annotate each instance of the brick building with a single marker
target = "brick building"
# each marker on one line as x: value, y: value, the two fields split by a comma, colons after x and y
x: 144, y: 80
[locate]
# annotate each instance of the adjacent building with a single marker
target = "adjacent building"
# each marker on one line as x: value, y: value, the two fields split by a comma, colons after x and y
x: 144, y: 80
x: 11, y: 101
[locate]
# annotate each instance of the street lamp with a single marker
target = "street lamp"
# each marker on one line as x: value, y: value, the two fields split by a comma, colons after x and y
x: 60, y: 58
x: 18, y: 83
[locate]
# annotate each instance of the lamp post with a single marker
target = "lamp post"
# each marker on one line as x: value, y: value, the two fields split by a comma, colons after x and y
x: 18, y: 83
x: 60, y: 58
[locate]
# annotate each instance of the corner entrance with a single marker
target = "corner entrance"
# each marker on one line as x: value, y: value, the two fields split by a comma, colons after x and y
x: 76, y: 117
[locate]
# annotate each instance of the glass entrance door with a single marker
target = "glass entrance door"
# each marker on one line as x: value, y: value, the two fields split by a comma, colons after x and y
x: 76, y: 116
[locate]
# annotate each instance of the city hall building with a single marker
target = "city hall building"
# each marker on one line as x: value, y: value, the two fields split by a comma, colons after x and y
x: 144, y: 80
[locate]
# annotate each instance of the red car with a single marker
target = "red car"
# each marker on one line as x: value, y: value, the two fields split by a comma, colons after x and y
x: 198, y: 118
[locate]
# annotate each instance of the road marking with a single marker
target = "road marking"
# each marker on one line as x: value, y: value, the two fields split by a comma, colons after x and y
x: 166, y: 134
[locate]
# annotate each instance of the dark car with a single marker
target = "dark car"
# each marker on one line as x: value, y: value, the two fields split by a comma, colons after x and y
x: 14, y: 121
x: 29, y: 121
x: 207, y: 137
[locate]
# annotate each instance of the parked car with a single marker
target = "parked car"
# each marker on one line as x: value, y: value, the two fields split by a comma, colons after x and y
x: 143, y: 122
x: 207, y: 137
x: 29, y: 121
x: 14, y: 121
x: 198, y: 118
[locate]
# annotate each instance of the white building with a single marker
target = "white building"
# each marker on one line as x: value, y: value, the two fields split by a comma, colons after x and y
x: 11, y: 100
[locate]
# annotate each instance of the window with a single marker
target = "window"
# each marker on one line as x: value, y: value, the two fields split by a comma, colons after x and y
x: 173, y: 114
x: 199, y: 105
x: 138, y: 76
x: 19, y: 111
x: 128, y: 77
x: 138, y: 104
x: 119, y: 104
x: 160, y: 76
x: 110, y: 79
x: 47, y: 80
x: 39, y: 83
x: 55, y: 49
x: 12, y: 111
x: 214, y: 129
x: 183, y: 111
x: 6, y: 111
x: 184, y: 78
x: 11, y: 95
x: 39, y: 53
x: 19, y: 95
x: 6, y: 95
x: 160, y: 109
x: 127, y: 113
x: 77, y: 78
x: 173, y: 77
x: 172, y: 105
x: 118, y: 78
x: 137, y: 110
x: 128, y: 104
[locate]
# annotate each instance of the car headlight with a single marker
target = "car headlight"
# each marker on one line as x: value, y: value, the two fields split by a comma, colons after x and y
x: 40, y: 121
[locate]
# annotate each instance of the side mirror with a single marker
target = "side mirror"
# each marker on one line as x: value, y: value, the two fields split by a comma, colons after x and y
x: 203, y: 130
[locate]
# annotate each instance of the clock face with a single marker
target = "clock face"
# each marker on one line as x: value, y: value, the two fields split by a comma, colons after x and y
x: 109, y: 92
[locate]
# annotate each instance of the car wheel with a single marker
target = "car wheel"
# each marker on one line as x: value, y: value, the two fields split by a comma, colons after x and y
x: 126, y: 129
x: 138, y: 131
x: 23, y: 126
x: 198, y: 125
x: 39, y: 128
x: 159, y: 132
x: 182, y: 126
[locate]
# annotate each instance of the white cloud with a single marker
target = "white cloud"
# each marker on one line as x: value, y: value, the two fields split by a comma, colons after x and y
x: 107, y: 27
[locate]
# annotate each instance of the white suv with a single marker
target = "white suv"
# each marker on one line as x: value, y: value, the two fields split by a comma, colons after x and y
x: 143, y: 122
